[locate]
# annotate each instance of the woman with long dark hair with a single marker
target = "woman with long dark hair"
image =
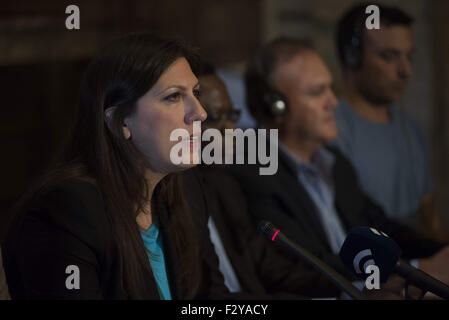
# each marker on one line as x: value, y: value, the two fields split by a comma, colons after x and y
x: 110, y: 221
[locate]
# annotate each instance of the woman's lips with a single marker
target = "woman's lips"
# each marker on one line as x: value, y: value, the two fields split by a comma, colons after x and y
x: 194, y: 141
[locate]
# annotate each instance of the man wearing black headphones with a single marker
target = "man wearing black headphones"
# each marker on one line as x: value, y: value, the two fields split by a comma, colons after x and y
x: 314, y: 197
x: 385, y: 146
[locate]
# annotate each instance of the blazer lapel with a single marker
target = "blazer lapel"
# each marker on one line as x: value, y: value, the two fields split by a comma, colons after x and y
x: 345, y: 199
x: 170, y: 255
x: 297, y: 197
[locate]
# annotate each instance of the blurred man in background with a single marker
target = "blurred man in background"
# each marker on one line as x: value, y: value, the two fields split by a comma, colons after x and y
x: 384, y: 145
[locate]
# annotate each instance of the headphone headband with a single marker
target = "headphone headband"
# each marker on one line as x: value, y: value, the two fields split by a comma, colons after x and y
x: 273, y: 102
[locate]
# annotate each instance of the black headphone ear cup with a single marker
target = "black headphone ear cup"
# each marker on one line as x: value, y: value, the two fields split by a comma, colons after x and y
x: 352, y: 57
x: 273, y: 102
x: 352, y: 53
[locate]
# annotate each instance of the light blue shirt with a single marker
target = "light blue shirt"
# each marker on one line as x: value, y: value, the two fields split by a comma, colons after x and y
x: 317, y: 179
x: 224, y: 264
x: 153, y: 242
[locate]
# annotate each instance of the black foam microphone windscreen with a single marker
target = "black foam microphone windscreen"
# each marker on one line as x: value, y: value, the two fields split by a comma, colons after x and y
x: 366, y: 246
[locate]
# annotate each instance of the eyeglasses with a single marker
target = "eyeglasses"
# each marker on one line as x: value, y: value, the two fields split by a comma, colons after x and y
x: 232, y: 115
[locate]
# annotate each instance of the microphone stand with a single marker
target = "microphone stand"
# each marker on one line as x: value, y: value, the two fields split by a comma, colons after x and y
x: 338, y: 280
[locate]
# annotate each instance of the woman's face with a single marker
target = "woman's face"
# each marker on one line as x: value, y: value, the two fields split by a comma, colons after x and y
x: 172, y: 103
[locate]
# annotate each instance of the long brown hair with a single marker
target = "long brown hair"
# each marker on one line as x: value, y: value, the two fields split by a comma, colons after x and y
x: 123, y: 72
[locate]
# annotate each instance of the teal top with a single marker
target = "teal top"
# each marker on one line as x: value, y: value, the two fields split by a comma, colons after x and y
x: 153, y: 243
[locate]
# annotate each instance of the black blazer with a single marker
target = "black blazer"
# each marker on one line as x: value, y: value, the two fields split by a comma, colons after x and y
x: 261, y: 270
x: 282, y: 200
x: 68, y: 226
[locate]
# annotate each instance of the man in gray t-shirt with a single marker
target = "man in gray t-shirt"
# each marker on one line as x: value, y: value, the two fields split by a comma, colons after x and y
x: 384, y: 145
x: 390, y: 159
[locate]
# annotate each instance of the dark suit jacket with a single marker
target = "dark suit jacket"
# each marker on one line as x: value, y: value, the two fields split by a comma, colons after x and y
x: 282, y: 200
x: 261, y: 270
x: 68, y: 226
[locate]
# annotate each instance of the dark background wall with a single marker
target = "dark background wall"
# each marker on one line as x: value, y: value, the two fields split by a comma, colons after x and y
x: 41, y: 64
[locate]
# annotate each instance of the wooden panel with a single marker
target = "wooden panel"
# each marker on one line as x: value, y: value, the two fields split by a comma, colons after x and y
x: 440, y: 12
x: 230, y: 30
x: 34, y: 31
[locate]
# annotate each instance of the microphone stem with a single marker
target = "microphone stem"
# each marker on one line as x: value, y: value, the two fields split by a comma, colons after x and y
x: 424, y: 281
x: 324, y: 269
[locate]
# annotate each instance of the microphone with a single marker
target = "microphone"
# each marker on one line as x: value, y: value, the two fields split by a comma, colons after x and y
x: 268, y: 229
x: 366, y: 246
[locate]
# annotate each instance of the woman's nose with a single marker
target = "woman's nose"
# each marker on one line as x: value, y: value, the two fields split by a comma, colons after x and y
x: 195, y: 112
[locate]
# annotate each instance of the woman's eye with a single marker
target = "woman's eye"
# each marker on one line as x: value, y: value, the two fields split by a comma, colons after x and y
x: 174, y: 97
x: 197, y: 93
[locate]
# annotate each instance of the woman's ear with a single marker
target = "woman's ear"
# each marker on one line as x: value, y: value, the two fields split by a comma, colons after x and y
x: 108, y: 118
